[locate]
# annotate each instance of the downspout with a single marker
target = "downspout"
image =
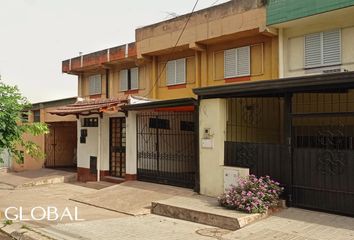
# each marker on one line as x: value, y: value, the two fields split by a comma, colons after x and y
x: 99, y: 150
x: 107, y: 83
x: 281, y: 53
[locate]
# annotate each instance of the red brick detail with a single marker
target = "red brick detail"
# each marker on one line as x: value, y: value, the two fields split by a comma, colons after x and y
x: 136, y: 91
x: 130, y: 177
x: 75, y: 63
x: 177, y: 86
x: 238, y: 79
x: 132, y: 49
x: 95, y: 58
x: 117, y: 53
x: 65, y: 66
x: 84, y: 175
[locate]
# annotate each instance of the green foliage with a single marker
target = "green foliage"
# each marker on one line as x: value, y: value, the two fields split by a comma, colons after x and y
x: 12, y: 106
x: 8, y: 222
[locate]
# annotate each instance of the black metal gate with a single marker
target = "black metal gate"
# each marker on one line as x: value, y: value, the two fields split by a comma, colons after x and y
x: 306, y: 142
x: 323, y: 152
x: 167, y: 148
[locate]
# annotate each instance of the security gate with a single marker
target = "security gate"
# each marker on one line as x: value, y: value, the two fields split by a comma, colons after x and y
x: 308, y: 147
x: 117, y: 147
x: 323, y: 152
x: 167, y: 148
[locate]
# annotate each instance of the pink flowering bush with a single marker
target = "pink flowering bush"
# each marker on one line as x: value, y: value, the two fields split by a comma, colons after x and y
x: 252, y: 195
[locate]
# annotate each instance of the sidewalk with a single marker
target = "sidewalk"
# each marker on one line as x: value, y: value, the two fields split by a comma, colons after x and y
x: 12, y: 180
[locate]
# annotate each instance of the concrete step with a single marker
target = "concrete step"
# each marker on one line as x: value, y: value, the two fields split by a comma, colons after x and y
x: 113, y: 179
x: 204, y: 210
x: 49, y: 180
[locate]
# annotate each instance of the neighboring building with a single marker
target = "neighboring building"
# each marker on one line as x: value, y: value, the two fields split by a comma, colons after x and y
x: 59, y: 145
x: 298, y: 129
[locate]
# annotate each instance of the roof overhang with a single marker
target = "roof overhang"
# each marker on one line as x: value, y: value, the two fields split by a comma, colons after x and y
x: 333, y: 82
x: 182, y: 104
x: 92, y: 106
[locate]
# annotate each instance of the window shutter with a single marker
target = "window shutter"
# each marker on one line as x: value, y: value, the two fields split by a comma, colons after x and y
x: 134, y: 78
x: 95, y: 84
x: 331, y: 47
x: 171, y: 72
x: 123, y: 80
x: 230, y: 63
x: 180, y: 71
x: 243, y: 61
x: 313, y: 50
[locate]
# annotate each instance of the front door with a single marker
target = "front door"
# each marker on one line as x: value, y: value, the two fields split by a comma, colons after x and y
x: 117, y: 147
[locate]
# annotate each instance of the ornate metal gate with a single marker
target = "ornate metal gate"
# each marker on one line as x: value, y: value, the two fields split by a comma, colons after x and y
x: 323, y: 152
x: 167, y: 148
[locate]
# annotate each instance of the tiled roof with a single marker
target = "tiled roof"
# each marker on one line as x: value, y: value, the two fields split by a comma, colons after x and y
x: 86, y: 107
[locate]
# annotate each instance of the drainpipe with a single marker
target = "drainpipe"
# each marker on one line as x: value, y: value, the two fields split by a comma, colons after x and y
x: 281, y: 53
x: 99, y: 150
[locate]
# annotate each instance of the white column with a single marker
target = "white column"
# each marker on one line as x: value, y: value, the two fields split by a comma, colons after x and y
x: 281, y: 52
x: 131, y: 151
x: 99, y: 150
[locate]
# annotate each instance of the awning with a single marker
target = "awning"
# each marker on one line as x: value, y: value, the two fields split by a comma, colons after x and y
x: 91, y: 106
x: 313, y: 83
x: 181, y: 104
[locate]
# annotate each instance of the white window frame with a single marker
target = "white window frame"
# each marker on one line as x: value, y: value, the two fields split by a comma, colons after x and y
x: 95, y: 84
x: 128, y: 79
x: 248, y: 73
x: 174, y: 65
x: 322, y: 64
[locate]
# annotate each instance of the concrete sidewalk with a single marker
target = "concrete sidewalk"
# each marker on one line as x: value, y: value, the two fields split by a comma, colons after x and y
x: 12, y: 180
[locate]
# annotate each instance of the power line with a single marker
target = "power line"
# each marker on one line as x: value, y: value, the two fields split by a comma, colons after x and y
x: 174, y: 48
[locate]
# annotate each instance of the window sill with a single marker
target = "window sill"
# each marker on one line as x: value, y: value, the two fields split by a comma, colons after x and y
x: 177, y: 86
x: 238, y: 79
x: 95, y: 96
x: 132, y: 91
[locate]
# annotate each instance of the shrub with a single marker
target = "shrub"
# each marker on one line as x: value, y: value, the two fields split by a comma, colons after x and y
x: 252, y: 195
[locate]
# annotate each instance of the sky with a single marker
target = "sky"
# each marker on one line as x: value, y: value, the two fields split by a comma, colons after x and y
x: 37, y: 35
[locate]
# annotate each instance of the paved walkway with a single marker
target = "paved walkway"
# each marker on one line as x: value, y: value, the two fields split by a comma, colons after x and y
x: 10, y: 180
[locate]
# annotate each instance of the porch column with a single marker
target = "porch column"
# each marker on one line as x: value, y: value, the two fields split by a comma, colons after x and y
x: 288, y: 142
x: 131, y: 151
x: 212, y: 128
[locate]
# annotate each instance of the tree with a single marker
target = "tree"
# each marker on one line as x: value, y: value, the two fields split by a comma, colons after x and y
x: 12, y: 107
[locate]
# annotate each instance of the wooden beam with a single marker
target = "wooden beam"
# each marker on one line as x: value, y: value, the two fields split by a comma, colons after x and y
x: 268, y: 31
x: 197, y: 47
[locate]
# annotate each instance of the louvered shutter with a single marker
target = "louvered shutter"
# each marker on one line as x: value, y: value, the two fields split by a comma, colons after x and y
x: 180, y: 71
x: 134, y: 78
x: 171, y: 72
x: 230, y: 63
x: 243, y: 61
x: 95, y: 84
x: 123, y: 80
x: 313, y: 50
x: 331, y: 47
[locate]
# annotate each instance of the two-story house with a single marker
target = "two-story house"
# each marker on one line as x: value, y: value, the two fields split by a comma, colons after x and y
x: 299, y: 128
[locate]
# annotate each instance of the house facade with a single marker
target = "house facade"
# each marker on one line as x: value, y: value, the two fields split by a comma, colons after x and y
x: 299, y: 128
x: 59, y: 146
x: 245, y: 87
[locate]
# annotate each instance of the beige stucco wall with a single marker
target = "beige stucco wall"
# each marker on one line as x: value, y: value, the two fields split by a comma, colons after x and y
x: 293, y: 40
x: 212, y: 116
x: 131, y: 151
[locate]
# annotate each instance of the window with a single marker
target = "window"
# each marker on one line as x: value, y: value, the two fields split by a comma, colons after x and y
x: 24, y: 117
x: 187, y: 126
x: 176, y: 72
x: 95, y: 84
x: 237, y: 62
x: 159, y: 123
x: 129, y: 79
x: 36, y: 115
x: 90, y: 122
x: 323, y: 49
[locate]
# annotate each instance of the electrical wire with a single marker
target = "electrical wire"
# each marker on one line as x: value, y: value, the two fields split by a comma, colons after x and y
x: 174, y: 48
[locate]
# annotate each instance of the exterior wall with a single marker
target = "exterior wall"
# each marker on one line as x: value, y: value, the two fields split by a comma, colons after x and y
x: 212, y: 116
x: 32, y: 163
x: 131, y: 151
x: 91, y: 147
x: 211, y: 23
x: 293, y: 40
x: 279, y: 11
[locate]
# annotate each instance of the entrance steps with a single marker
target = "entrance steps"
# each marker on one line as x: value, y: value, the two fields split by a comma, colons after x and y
x: 113, y: 179
x: 204, y: 210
